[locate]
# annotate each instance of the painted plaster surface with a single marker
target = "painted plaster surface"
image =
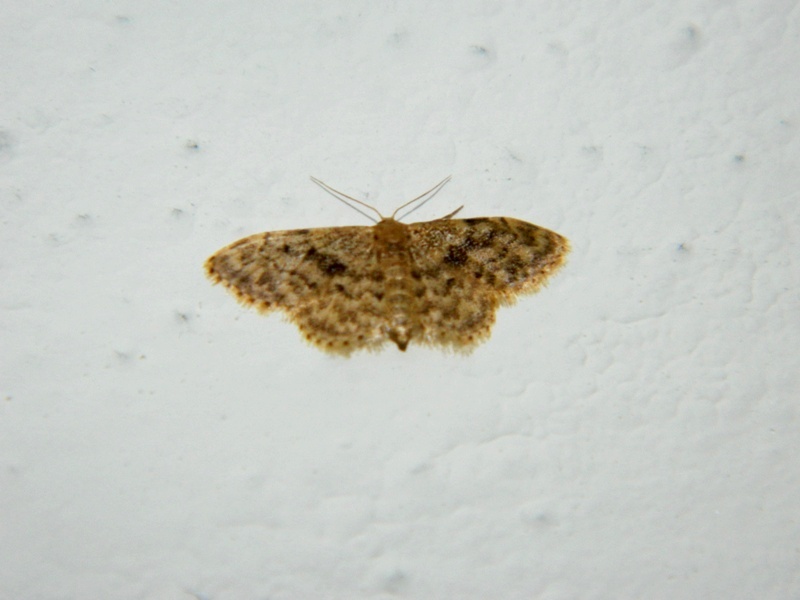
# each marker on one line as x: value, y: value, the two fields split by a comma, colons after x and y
x: 630, y: 432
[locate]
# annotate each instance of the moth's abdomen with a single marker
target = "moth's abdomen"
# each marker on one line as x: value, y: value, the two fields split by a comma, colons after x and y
x: 399, y: 301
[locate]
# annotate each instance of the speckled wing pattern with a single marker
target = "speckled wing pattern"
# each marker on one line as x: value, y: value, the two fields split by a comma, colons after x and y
x: 321, y: 279
x: 470, y: 266
x: 349, y: 288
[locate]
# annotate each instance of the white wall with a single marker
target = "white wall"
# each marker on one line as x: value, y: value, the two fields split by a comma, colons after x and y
x: 630, y: 432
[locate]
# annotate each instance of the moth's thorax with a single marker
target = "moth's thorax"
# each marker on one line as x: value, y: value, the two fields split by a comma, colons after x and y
x: 394, y: 258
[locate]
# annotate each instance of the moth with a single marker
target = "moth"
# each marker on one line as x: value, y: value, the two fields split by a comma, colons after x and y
x: 437, y: 283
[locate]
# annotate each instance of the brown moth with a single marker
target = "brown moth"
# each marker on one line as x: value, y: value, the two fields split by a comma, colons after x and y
x: 351, y: 288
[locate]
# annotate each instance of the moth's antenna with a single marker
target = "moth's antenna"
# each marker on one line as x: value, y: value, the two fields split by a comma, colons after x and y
x: 340, y: 196
x: 430, y: 193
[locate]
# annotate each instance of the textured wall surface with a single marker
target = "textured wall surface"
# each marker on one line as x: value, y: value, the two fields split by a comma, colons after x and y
x: 630, y: 432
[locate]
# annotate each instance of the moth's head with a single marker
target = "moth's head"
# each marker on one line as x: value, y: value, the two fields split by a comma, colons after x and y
x: 391, y: 233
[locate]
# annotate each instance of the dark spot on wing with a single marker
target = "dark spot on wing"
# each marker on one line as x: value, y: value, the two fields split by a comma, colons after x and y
x: 301, y: 276
x: 451, y: 313
x: 486, y: 239
x: 513, y: 266
x: 456, y: 255
x: 334, y: 268
x: 327, y: 264
x: 530, y: 236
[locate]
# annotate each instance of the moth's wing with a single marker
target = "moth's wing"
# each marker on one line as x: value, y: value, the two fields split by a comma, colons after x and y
x: 322, y: 279
x: 467, y: 267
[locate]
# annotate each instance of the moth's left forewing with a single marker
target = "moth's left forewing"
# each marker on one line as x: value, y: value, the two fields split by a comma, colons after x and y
x: 322, y: 279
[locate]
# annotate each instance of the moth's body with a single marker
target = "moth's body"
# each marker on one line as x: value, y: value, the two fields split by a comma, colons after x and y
x: 349, y: 288
x: 394, y: 259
